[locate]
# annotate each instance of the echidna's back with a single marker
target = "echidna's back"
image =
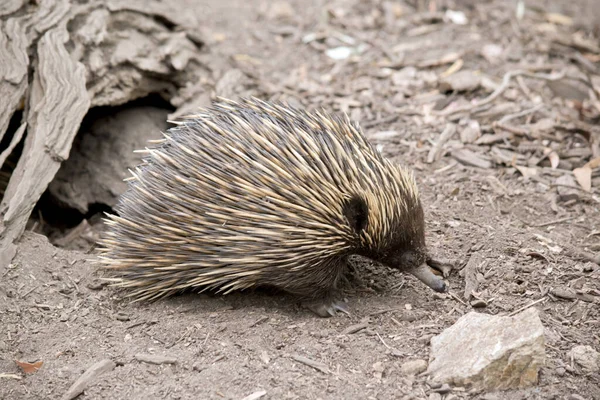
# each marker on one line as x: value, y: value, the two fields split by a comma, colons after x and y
x: 238, y: 195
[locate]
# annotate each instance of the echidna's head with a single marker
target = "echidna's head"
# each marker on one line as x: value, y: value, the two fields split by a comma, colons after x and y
x: 388, y: 221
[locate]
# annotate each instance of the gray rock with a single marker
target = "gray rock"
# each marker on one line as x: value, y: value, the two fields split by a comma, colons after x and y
x: 586, y: 357
x: 488, y: 352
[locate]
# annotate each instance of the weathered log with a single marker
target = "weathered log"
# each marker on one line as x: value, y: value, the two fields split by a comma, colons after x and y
x: 58, y: 58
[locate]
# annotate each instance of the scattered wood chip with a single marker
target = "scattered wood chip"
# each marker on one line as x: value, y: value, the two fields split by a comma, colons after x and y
x: 383, y: 135
x: 470, y: 274
x: 496, y: 185
x: 155, y: 359
x: 453, y: 68
x: 255, y: 395
x: 355, y: 328
x: 445, y: 59
x: 10, y: 376
x: 572, y: 294
x: 471, y: 132
x: 489, y: 138
x: 467, y: 157
x: 311, y: 363
x: 559, y: 19
x: 29, y: 368
x: 436, y: 150
x: 89, y: 377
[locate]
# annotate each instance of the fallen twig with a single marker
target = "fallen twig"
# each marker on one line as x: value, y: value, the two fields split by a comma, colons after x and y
x: 500, y: 89
x: 435, y: 151
x: 527, y: 306
x: 311, y: 363
x: 554, y: 222
x: 515, y: 130
x: 88, y: 377
x: 455, y: 297
x: 520, y: 114
x: 584, y: 255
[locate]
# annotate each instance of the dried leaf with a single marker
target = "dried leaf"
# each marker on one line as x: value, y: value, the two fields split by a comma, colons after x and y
x: 552, y: 156
x: 527, y: 172
x: 29, y: 368
x: 584, y: 177
x: 453, y: 68
x: 593, y: 164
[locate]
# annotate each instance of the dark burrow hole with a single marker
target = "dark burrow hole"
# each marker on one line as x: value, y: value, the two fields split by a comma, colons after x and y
x: 51, y: 217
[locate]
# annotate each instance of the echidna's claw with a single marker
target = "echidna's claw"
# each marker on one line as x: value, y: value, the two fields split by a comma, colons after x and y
x: 327, y: 308
x: 443, y: 265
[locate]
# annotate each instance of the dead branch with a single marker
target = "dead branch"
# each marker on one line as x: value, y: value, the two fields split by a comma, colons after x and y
x: 499, y: 90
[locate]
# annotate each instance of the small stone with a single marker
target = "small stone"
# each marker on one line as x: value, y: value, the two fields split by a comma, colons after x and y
x: 471, y: 132
x: 434, y: 396
x: 479, y: 303
x: 566, y: 188
x: 378, y: 370
x: 404, y: 76
x: 462, y: 81
x: 492, y: 53
x: 587, y: 358
x: 121, y: 316
x: 445, y: 388
x: 489, y: 352
x: 560, y: 371
x: 96, y: 284
x: 197, y: 366
x: 280, y: 10
x: 413, y: 367
x: 575, y: 397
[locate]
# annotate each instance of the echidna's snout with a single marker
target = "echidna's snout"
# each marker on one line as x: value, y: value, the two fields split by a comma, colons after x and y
x: 425, y: 275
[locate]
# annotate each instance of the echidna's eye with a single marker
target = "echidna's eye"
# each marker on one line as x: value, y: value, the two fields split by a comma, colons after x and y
x: 356, y: 212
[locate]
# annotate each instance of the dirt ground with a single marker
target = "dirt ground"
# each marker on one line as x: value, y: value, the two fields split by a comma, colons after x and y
x: 481, y: 198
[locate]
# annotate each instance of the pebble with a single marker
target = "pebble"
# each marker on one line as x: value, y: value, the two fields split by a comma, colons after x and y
x: 435, y: 396
x: 560, y: 371
x: 478, y: 303
x: 586, y: 357
x: 445, y: 388
x: 197, y: 366
x: 122, y: 316
x: 413, y: 367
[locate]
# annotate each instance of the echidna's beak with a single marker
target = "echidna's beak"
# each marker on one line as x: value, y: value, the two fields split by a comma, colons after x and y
x: 425, y: 275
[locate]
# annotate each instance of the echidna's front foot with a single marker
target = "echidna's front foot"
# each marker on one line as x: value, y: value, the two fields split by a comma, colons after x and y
x: 327, y: 307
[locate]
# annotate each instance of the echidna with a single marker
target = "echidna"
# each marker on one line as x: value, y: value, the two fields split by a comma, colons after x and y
x: 252, y: 193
